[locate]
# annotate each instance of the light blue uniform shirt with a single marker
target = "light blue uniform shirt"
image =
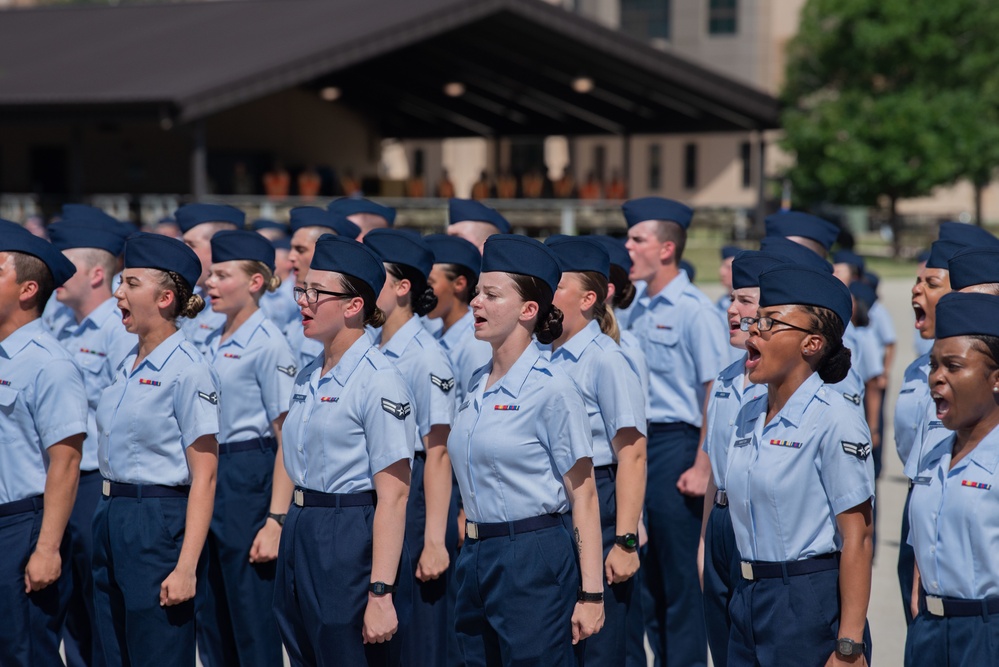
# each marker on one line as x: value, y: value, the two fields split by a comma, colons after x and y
x: 921, y: 345
x: 257, y: 371
x: 881, y: 325
x: 97, y: 344
x: 610, y: 387
x: 954, y: 521
x: 512, y: 444
x: 466, y: 352
x: 42, y: 402
x: 149, y: 416
x: 423, y: 364
x: 57, y: 316
x: 633, y: 351
x: 279, y: 306
x: 433, y: 326
x: 787, y: 480
x: 722, y: 304
x: 931, y: 433
x: 684, y: 342
x: 197, y: 329
x: 728, y: 393
x: 347, y: 425
x: 911, y: 405
x: 304, y: 349
x: 852, y: 387
x: 867, y: 357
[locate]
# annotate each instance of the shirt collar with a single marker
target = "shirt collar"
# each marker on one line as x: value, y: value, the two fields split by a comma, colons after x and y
x: 158, y: 357
x: 20, y: 338
x: 350, y: 359
x: 244, y: 333
x: 450, y: 338
x: 100, y: 314
x: 575, y: 346
x: 513, y: 382
x: 401, y: 339
x: 673, y: 291
x: 803, y: 395
x: 986, y: 454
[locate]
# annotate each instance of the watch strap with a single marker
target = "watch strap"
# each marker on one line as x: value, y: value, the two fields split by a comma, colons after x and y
x: 583, y: 596
x: 277, y: 517
x: 381, y: 588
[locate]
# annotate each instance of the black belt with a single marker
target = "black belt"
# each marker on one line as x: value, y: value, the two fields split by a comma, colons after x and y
x: 89, y: 473
x: 304, y: 498
x: 721, y: 498
x: 608, y: 471
x: 752, y: 571
x: 666, y: 427
x: 120, y: 490
x: 938, y: 606
x: 263, y: 444
x: 483, y: 531
x: 32, y: 504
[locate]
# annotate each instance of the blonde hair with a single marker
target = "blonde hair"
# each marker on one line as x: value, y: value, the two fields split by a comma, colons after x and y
x: 597, y: 283
x: 271, y: 281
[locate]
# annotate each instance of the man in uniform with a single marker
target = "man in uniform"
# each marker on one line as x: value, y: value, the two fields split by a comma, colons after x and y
x: 474, y: 221
x: 364, y: 213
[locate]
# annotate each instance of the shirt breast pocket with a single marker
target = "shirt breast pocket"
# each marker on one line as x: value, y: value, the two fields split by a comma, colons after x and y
x: 662, y: 348
x: 90, y: 363
x: 8, y: 397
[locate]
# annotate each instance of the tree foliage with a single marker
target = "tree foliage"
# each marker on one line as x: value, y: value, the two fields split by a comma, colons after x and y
x: 891, y: 98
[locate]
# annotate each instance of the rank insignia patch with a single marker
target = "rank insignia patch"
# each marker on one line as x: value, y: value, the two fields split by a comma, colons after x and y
x: 859, y: 449
x: 212, y: 398
x: 853, y: 398
x: 288, y: 370
x: 444, y: 384
x: 397, y: 410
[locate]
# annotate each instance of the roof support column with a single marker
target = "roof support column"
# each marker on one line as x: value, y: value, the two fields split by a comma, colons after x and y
x: 626, y: 162
x: 76, y: 170
x: 199, y: 160
x: 761, y: 181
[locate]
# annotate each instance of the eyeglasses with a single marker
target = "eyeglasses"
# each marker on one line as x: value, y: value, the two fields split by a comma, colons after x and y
x: 312, y: 294
x: 767, y: 323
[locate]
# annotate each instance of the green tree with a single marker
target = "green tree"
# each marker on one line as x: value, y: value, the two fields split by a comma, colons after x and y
x: 891, y: 98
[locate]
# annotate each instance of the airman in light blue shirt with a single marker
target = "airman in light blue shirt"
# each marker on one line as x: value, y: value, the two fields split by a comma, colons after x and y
x: 467, y: 354
x: 730, y: 390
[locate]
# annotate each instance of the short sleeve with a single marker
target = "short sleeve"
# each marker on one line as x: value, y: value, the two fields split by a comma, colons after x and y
x: 883, y: 326
x: 873, y: 363
x: 440, y: 390
x: 566, y: 430
x: 275, y: 371
x: 196, y: 402
x: 706, y: 342
x: 710, y: 418
x: 619, y: 394
x: 389, y: 424
x: 60, y: 408
x: 845, y: 466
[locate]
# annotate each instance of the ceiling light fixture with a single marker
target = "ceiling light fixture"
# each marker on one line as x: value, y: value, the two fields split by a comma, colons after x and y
x: 330, y: 93
x: 582, y: 84
x: 454, y: 89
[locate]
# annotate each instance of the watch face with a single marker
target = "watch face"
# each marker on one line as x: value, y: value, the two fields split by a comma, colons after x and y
x: 845, y: 646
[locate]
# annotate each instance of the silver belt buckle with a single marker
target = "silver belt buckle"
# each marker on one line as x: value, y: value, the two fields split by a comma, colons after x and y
x: 934, y: 605
x: 299, y: 497
x: 106, y: 488
x: 747, y: 571
x: 471, y: 530
x: 721, y: 498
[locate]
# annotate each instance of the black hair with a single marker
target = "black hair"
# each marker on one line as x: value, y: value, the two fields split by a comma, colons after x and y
x: 624, y: 289
x: 989, y: 346
x: 861, y: 314
x: 28, y: 267
x: 452, y: 271
x: 549, y: 324
x: 836, y: 358
x: 421, y: 296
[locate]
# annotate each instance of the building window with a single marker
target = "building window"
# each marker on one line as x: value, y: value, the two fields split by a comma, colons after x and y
x: 746, y: 156
x: 690, y: 166
x: 655, y: 166
x: 723, y: 17
x: 646, y: 19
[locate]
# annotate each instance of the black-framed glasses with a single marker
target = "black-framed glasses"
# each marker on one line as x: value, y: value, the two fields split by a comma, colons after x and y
x: 312, y: 294
x: 767, y: 323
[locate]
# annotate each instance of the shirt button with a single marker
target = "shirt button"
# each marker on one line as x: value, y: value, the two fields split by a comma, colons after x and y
x: 934, y: 515
x: 935, y: 585
x: 933, y: 550
x: 300, y: 448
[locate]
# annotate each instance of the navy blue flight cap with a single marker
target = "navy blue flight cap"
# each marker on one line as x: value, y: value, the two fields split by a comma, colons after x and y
x: 454, y: 250
x: 350, y: 205
x: 68, y: 234
x: 575, y: 253
x: 794, y: 253
x: 513, y: 253
x: 849, y: 257
x: 237, y: 244
x: 615, y: 250
x: 689, y: 268
x: 469, y: 210
x: 872, y: 279
x: 967, y: 314
x: 311, y: 216
x: 730, y: 251
x: 89, y: 214
x: 794, y: 284
x: 864, y: 293
x: 749, y: 264
x: 283, y: 243
x: 396, y: 246
x: 796, y: 223
x: 923, y: 257
x: 656, y: 208
x: 940, y: 253
x: 974, y: 266
x: 15, y: 238
x: 966, y: 234
x: 155, y: 251
x: 341, y: 254
x: 264, y: 223
x: 190, y: 216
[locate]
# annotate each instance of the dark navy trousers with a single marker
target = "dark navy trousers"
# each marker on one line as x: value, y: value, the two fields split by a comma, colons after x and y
x: 236, y: 623
x: 426, y: 641
x: 515, y: 601
x: 906, y: 563
x: 778, y: 622
x: 31, y: 624
x: 675, y: 611
x: 721, y: 572
x: 609, y: 647
x: 967, y: 641
x: 80, y: 637
x: 321, y: 589
x: 136, y: 545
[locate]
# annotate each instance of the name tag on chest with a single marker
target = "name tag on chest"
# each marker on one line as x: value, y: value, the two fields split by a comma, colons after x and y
x: 742, y: 442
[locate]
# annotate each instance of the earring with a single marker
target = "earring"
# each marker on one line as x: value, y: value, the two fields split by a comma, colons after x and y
x: 995, y: 390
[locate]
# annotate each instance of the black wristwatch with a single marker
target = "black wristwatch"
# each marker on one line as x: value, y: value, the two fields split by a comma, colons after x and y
x: 277, y: 517
x: 629, y: 541
x: 380, y: 588
x: 583, y: 596
x: 847, y: 647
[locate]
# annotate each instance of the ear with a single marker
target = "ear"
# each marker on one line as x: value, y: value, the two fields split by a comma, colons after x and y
x: 256, y: 283
x: 166, y: 299
x: 994, y: 383
x: 529, y: 311
x: 459, y: 285
x: 589, y: 300
x: 27, y: 291
x: 402, y: 288
x: 611, y: 291
x: 667, y: 253
x: 96, y: 275
x: 354, y: 307
x: 813, y: 344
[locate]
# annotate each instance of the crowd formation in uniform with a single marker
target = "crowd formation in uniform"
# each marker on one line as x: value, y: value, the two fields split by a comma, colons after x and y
x: 475, y: 448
